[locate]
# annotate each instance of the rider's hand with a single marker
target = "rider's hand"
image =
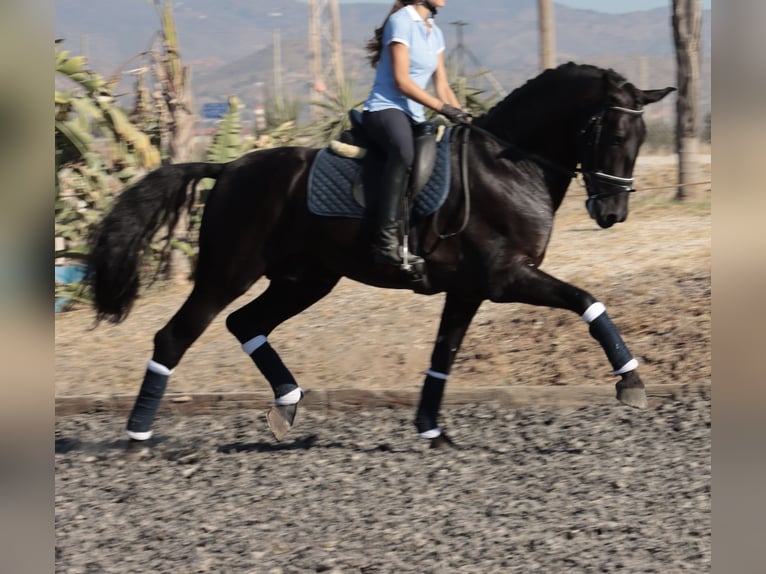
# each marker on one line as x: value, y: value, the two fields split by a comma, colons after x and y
x: 455, y: 115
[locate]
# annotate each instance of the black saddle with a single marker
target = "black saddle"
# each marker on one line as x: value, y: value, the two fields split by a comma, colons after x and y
x: 425, y: 150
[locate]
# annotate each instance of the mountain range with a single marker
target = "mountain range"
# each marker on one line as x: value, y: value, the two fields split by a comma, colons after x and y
x: 229, y: 44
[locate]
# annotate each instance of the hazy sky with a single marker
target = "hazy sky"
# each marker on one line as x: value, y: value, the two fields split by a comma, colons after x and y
x: 616, y: 6
x: 613, y: 6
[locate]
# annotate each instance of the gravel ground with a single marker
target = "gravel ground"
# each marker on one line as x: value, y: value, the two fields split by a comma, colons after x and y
x: 594, y: 489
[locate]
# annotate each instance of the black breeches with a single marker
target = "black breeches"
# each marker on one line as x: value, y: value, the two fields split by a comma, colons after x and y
x: 391, y: 131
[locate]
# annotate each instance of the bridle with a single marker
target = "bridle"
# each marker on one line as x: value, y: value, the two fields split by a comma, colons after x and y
x: 588, y: 141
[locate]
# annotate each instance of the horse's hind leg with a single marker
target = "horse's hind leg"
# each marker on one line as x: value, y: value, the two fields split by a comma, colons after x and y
x: 285, y: 297
x: 456, y: 316
x: 170, y: 343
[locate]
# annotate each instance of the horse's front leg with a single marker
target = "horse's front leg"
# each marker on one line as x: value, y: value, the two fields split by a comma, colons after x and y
x: 526, y: 283
x: 456, y: 316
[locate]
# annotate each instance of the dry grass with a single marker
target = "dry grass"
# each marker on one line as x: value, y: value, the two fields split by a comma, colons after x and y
x: 652, y: 272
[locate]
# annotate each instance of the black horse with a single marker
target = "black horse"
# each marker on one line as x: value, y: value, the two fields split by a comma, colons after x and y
x: 521, y: 157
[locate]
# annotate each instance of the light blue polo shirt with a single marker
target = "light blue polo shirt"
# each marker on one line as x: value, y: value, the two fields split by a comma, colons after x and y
x: 406, y: 26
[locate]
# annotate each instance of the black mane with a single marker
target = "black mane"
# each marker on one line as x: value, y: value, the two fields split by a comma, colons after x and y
x: 552, y: 81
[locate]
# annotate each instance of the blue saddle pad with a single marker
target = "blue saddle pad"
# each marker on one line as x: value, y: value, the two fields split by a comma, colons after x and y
x: 331, y: 181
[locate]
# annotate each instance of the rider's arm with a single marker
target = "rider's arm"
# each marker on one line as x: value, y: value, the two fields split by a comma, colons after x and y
x: 400, y: 61
x: 441, y: 84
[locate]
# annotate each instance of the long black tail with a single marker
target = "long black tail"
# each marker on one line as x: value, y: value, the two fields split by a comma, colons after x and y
x: 120, y: 240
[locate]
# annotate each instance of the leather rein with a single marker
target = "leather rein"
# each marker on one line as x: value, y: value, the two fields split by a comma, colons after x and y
x: 463, y: 152
x: 590, y: 134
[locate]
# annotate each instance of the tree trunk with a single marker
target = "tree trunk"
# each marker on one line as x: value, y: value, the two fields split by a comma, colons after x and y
x: 687, y: 18
x: 315, y: 54
x: 336, y: 45
x: 183, y: 121
x: 177, y: 119
x: 547, y: 34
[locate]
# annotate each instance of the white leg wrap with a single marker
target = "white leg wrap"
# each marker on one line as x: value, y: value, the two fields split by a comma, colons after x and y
x: 139, y: 435
x: 631, y: 365
x: 290, y: 398
x: 593, y: 312
x: 433, y: 433
x: 158, y: 368
x: 253, y: 344
x: 437, y: 375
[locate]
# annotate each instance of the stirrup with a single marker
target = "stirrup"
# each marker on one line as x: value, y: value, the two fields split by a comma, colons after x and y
x: 385, y: 254
x: 409, y: 260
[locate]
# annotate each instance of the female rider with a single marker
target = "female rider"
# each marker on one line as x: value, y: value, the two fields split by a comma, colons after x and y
x: 406, y: 52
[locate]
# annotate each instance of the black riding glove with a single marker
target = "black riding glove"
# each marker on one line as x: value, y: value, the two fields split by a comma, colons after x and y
x: 455, y: 115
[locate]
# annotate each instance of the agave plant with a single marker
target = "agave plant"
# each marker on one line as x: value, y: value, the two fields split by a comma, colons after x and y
x: 472, y: 98
x: 89, y: 111
x: 98, y: 149
x: 333, y: 114
x: 173, y: 107
x: 228, y: 143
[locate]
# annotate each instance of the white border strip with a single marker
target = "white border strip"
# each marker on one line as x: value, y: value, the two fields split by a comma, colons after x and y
x: 253, y: 344
x: 158, y: 368
x: 290, y: 398
x: 433, y: 433
x: 631, y: 365
x: 437, y: 375
x: 593, y: 312
x: 139, y: 435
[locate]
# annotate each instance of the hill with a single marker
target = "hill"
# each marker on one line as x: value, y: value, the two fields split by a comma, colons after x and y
x: 229, y: 42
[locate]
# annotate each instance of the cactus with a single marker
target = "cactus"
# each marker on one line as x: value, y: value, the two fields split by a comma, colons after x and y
x: 100, y: 146
x: 227, y: 142
x: 172, y: 80
x: 333, y: 117
x: 98, y: 149
x: 92, y: 109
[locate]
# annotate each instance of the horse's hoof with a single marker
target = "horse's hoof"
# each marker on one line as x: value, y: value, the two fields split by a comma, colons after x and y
x: 280, y: 419
x: 630, y: 391
x: 634, y: 397
x: 137, y: 449
x: 442, y: 441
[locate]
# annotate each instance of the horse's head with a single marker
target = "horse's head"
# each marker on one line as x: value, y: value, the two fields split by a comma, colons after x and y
x: 609, y: 145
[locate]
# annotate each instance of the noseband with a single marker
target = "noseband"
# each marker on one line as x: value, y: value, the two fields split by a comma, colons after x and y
x: 588, y: 140
x: 591, y: 136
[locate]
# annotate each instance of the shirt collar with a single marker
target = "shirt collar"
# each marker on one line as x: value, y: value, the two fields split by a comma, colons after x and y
x: 414, y: 14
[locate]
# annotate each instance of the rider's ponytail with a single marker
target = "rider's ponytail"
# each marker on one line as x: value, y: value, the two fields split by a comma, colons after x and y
x: 375, y: 44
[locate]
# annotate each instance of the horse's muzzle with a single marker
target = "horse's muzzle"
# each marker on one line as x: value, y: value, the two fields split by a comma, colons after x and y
x: 606, y: 214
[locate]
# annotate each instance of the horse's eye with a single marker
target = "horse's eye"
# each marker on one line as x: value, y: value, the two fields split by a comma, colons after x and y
x: 618, y: 141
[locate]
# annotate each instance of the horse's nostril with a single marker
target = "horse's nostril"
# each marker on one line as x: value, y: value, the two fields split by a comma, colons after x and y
x: 610, y: 220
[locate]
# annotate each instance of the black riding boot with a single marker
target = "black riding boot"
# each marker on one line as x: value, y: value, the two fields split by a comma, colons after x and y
x: 385, y: 246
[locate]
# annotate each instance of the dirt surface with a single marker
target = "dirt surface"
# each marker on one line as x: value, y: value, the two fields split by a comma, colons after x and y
x: 595, y: 489
x: 538, y: 488
x: 652, y: 272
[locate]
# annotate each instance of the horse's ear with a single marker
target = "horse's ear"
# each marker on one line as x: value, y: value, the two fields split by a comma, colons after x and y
x: 651, y: 96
